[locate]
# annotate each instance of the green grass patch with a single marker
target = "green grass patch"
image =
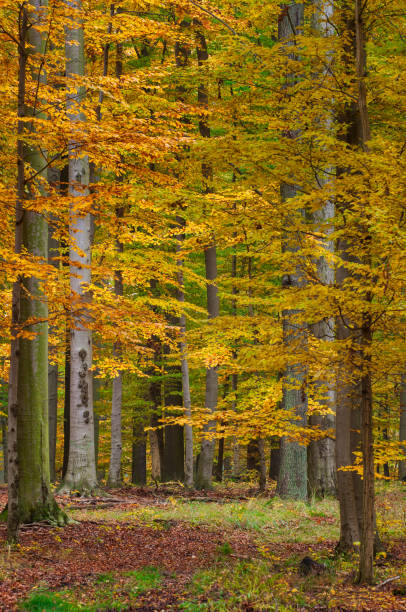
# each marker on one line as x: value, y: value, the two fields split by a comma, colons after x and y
x: 55, y: 602
x: 109, y: 591
x: 145, y: 579
x: 247, y: 583
x: 278, y: 520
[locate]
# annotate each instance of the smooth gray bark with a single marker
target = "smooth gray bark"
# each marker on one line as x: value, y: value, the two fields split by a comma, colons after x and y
x: 114, y: 478
x: 187, y: 402
x: 81, y: 471
x: 292, y: 481
x: 321, y: 453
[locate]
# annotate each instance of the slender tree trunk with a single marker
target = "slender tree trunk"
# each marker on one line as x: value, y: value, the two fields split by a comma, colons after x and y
x: 205, y: 466
x: 139, y: 452
x: 114, y: 479
x: 321, y: 453
x: 262, y: 465
x: 292, y: 481
x: 81, y: 471
x: 236, y: 471
x: 66, y: 404
x: 402, y: 425
x: 5, y: 445
x: 155, y: 456
x: 53, y: 409
x: 53, y: 253
x: 275, y: 459
x: 187, y: 403
x: 366, y: 567
x: 220, y: 460
x: 173, y: 464
x: 354, y: 394
x: 253, y: 455
x: 156, y: 436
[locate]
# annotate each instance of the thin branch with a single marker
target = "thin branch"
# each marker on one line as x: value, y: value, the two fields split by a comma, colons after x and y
x: 214, y: 16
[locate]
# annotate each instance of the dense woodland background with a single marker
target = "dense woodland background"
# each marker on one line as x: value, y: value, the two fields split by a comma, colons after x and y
x: 202, y: 250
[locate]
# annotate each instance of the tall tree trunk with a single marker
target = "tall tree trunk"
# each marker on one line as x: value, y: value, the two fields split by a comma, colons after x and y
x: 366, y: 568
x: 53, y: 253
x: 292, y: 481
x: 81, y: 471
x: 114, y: 478
x: 205, y: 466
x: 66, y: 403
x: 139, y: 452
x: 156, y: 435
x: 53, y: 414
x: 236, y: 469
x: 220, y: 460
x: 275, y: 462
x: 187, y: 402
x: 321, y: 453
x: 402, y: 426
x: 354, y: 394
x: 30, y: 497
x: 262, y: 465
x: 173, y: 463
x: 5, y: 449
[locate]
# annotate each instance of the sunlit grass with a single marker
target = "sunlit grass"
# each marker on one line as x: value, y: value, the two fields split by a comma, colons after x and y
x: 277, y: 519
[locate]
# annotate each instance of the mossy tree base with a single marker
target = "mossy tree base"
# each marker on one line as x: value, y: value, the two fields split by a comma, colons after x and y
x: 48, y: 512
x: 82, y: 489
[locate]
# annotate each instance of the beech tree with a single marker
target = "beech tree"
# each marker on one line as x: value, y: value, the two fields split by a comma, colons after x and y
x: 30, y: 496
x: 292, y: 478
x: 205, y: 466
x: 81, y: 469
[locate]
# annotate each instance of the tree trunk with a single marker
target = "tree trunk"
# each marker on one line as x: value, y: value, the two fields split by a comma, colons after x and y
x: 275, y: 458
x: 66, y: 404
x: 366, y: 565
x: 236, y: 469
x: 354, y: 394
x: 173, y: 463
x: 5, y: 450
x: 155, y: 456
x: 114, y: 478
x: 53, y: 414
x: 366, y: 569
x: 53, y: 253
x: 81, y: 471
x: 156, y: 436
x: 187, y: 403
x: 220, y: 461
x: 205, y: 465
x: 30, y: 497
x: 253, y: 455
x: 402, y: 426
x: 262, y: 465
x: 292, y: 481
x: 321, y: 453
x: 139, y: 453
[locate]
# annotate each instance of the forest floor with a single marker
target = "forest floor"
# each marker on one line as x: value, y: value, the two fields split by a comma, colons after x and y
x: 156, y: 549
